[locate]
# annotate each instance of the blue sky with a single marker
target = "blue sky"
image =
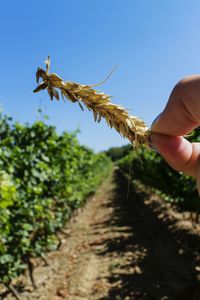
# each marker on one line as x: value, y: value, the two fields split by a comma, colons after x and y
x: 154, y: 43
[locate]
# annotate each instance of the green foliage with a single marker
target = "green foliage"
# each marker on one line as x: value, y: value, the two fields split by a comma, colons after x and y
x: 43, y: 178
x: 150, y: 168
x: 115, y: 153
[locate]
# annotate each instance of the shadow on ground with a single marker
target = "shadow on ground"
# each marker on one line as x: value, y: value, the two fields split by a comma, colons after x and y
x: 151, y: 259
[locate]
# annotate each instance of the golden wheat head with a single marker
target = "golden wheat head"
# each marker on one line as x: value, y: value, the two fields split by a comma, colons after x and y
x: 130, y: 127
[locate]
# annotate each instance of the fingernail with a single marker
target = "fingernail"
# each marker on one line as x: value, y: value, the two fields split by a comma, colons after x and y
x: 151, y: 144
x: 155, y: 120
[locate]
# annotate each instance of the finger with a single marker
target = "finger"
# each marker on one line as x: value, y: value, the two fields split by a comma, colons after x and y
x: 182, y: 112
x: 178, y: 152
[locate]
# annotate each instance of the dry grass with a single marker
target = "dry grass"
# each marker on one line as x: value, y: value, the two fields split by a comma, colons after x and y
x: 130, y: 127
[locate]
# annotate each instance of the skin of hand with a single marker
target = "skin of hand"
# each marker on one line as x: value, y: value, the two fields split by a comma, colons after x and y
x: 180, y: 116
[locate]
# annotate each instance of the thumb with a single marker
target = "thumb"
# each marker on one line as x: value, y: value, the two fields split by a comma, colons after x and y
x: 177, y: 151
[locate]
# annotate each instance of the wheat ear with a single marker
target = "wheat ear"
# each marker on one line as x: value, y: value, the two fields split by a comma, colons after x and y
x: 130, y: 127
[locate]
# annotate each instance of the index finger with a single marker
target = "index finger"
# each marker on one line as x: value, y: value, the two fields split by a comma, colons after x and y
x: 182, y: 112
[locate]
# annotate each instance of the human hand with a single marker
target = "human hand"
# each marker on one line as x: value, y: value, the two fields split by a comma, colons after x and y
x: 180, y: 116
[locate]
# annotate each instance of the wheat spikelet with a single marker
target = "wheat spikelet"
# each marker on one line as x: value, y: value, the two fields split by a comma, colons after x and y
x: 130, y: 127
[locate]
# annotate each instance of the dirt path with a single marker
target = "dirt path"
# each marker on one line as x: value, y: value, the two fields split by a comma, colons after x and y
x: 122, y: 250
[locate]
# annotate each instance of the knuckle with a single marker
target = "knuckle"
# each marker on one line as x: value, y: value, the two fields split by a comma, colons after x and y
x: 182, y: 88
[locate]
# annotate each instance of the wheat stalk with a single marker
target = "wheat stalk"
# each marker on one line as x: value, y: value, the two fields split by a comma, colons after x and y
x: 130, y: 127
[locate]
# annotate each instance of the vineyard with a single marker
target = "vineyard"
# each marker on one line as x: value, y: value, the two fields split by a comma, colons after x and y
x: 46, y: 177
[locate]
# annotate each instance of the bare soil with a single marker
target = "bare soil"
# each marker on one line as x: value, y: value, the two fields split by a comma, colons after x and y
x: 121, y: 249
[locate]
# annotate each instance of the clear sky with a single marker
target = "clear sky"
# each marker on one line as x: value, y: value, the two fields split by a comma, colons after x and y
x: 154, y: 43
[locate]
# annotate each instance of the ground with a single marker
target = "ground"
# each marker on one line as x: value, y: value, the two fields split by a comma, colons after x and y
x: 121, y: 249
